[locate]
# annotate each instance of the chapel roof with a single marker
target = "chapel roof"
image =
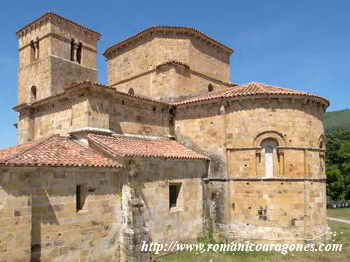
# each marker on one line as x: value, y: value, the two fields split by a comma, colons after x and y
x: 133, y: 146
x: 249, y: 89
x: 61, y: 151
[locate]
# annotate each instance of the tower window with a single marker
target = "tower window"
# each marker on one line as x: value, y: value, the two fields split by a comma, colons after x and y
x: 131, y: 92
x: 34, y: 50
x: 76, y: 50
x: 80, y: 197
x: 174, y: 191
x: 33, y: 94
x: 210, y: 88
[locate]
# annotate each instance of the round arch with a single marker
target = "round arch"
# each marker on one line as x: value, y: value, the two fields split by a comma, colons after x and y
x: 270, y: 134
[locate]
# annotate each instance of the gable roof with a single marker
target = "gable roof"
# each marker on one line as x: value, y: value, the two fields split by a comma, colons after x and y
x: 177, y: 29
x: 249, y: 89
x: 128, y: 146
x: 55, y: 151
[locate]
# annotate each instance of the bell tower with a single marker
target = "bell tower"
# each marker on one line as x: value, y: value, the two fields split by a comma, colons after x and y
x: 53, y: 53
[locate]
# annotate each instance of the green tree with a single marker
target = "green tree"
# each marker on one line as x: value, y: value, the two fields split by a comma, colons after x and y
x: 338, y: 164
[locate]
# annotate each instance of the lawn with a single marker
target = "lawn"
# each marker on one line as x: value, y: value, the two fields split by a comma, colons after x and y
x: 343, y: 213
x: 342, y: 236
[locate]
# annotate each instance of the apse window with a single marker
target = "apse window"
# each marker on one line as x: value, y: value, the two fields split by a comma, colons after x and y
x: 269, y: 146
x: 174, y: 193
x: 80, y: 197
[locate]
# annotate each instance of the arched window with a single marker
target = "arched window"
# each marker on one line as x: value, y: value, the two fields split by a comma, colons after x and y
x: 34, y: 50
x: 33, y: 93
x: 131, y: 91
x: 210, y: 87
x: 269, y: 149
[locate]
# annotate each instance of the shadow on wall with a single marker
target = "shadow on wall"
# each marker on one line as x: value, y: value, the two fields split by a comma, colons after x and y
x: 44, y: 204
x: 43, y: 213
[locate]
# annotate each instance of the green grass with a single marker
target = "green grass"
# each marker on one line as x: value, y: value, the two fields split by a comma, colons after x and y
x: 342, y: 237
x: 343, y: 213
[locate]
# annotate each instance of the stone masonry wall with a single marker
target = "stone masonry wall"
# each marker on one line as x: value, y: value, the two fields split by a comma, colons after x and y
x: 41, y: 221
x: 15, y: 217
x: 170, y: 82
x: 136, y: 66
x: 53, y: 70
x: 59, y: 117
x: 128, y: 116
x: 185, y: 222
x: 237, y: 128
x: 60, y: 231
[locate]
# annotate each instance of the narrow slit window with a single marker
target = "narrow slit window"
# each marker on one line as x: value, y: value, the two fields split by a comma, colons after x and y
x: 72, y: 50
x: 174, y: 190
x: 36, y: 43
x: 79, y: 52
x: 33, y: 93
x: 80, y: 197
x: 32, y: 51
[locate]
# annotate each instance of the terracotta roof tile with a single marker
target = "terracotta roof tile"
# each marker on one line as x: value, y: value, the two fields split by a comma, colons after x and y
x: 10, y: 151
x: 127, y: 146
x: 55, y: 151
x: 249, y: 89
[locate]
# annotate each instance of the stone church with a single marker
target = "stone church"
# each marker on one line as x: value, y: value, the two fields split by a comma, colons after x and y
x: 169, y: 149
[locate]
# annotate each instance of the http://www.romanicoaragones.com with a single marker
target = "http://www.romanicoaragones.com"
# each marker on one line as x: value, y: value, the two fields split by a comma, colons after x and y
x: 247, y: 246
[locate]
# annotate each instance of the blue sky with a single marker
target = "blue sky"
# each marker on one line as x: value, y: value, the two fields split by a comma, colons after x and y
x: 295, y: 44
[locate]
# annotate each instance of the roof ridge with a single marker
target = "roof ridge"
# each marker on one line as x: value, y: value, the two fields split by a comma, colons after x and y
x: 147, y: 148
x: 250, y: 89
x: 111, y: 159
x: 102, y: 146
x: 35, y: 144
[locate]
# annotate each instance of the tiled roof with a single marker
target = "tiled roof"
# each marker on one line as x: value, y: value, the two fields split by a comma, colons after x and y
x: 249, y: 89
x: 10, y: 151
x: 55, y: 151
x: 167, y: 28
x: 127, y: 146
